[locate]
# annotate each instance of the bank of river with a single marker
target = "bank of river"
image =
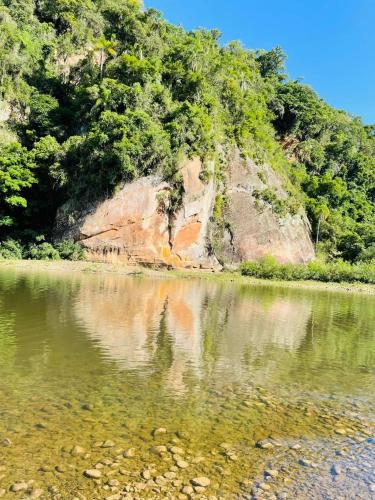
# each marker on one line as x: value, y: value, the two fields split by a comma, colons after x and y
x: 118, y: 383
x: 64, y: 266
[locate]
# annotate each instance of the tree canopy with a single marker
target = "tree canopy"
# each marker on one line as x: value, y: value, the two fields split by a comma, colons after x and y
x: 97, y: 92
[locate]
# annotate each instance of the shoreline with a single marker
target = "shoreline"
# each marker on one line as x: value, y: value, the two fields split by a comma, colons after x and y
x: 64, y: 266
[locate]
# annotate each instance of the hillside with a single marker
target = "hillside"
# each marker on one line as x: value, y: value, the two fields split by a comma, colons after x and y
x: 97, y: 95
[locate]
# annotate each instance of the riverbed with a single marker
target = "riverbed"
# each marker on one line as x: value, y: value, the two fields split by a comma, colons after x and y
x: 116, y: 386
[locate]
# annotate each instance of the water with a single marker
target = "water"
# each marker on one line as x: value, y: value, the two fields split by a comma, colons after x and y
x: 217, y: 367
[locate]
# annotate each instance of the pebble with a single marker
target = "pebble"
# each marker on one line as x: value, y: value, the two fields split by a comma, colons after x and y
x: 336, y: 470
x: 265, y: 444
x: 41, y: 426
x: 113, y: 482
x: 176, y: 451
x: 160, y: 430
x: 6, y: 442
x: 295, y: 447
x: 159, y: 449
x: 182, y: 464
x: 77, y: 450
x: 265, y: 487
x: 16, y: 487
x: 187, y: 490
x: 340, y: 431
x: 199, y: 489
x: 93, y: 473
x: 117, y: 496
x: 108, y: 444
x: 271, y: 473
x: 304, y: 462
x: 2, y: 492
x: 129, y: 453
x: 146, y: 474
x: 201, y: 481
x: 372, y: 487
x: 170, y: 475
x: 140, y: 486
x: 45, y: 468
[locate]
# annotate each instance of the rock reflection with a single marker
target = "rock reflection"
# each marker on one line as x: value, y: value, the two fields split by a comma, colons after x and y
x: 139, y: 323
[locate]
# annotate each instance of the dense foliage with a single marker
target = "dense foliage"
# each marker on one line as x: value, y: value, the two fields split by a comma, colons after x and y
x: 338, y: 271
x: 38, y: 249
x: 97, y: 92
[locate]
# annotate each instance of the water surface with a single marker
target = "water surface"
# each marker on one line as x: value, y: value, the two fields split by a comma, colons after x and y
x: 218, y: 367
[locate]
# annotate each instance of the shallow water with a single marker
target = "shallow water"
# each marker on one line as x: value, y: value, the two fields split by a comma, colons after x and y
x: 218, y: 367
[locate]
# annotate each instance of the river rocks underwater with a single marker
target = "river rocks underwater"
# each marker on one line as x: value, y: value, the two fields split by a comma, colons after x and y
x: 118, y: 387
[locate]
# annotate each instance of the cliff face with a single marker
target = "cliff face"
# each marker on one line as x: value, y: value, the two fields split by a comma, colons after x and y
x: 136, y: 225
x: 253, y: 228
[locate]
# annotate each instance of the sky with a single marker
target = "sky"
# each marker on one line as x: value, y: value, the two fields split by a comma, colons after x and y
x: 330, y: 44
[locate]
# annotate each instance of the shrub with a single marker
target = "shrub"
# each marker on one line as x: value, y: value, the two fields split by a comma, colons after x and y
x: 69, y: 250
x: 338, y: 271
x: 10, y: 249
x: 42, y: 251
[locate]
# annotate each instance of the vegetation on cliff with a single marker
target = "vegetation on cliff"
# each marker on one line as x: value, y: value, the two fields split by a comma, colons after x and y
x: 97, y: 92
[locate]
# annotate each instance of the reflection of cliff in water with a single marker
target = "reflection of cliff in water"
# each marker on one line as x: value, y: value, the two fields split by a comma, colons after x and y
x: 192, y: 324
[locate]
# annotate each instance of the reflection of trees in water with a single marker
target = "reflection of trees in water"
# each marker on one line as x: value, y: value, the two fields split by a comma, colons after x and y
x: 163, y: 356
x: 45, y: 340
x: 340, y: 340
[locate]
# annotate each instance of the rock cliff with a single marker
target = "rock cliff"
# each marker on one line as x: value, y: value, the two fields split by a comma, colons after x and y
x: 253, y: 227
x: 137, y: 225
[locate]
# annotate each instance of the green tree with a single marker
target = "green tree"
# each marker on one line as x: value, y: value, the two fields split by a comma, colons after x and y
x: 16, y: 175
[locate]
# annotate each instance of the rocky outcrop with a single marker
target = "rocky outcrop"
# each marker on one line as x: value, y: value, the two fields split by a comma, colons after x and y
x: 138, y: 226
x: 253, y: 228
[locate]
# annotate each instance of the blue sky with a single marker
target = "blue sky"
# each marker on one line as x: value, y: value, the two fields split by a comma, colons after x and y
x: 330, y: 43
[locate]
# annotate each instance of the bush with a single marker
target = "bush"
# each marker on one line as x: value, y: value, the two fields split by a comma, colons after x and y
x: 69, y: 250
x: 10, y: 249
x: 338, y: 271
x: 42, y: 251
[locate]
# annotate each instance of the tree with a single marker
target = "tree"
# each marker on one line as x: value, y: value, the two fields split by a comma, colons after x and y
x: 16, y: 175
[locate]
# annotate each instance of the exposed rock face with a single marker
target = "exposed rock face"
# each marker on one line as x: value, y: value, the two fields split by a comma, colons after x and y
x: 135, y: 227
x: 254, y: 229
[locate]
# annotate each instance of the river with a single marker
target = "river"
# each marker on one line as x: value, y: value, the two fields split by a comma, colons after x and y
x: 145, y: 387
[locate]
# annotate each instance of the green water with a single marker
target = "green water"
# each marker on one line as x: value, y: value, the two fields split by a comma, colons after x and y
x: 88, y: 358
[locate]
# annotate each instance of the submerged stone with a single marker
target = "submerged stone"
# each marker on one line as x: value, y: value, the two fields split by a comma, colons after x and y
x: 129, y: 453
x: 182, y: 464
x: 265, y: 444
x: 16, y: 487
x: 108, y: 444
x: 93, y: 473
x: 201, y: 481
